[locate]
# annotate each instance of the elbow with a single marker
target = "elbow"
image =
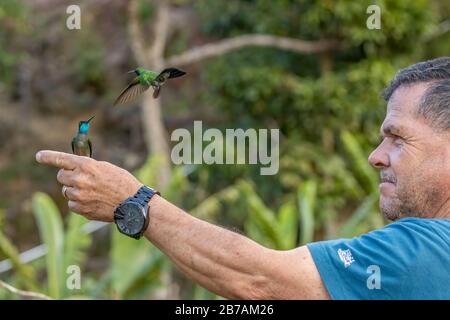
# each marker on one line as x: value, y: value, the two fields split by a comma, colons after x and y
x: 262, y: 283
x: 256, y: 287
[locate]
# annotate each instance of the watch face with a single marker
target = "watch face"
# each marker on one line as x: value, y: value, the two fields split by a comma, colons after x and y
x: 130, y: 219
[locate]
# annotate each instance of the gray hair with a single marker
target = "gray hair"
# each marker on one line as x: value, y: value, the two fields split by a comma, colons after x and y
x: 435, y: 103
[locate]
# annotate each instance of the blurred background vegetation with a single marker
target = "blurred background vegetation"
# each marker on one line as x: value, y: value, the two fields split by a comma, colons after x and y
x: 325, y: 102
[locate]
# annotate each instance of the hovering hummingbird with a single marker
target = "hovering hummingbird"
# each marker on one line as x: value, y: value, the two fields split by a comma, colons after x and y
x: 145, y: 79
x: 81, y: 145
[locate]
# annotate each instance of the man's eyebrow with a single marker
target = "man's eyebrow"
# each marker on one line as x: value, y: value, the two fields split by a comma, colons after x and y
x: 391, y: 129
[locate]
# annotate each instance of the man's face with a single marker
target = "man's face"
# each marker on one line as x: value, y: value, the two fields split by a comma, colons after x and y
x: 413, y: 158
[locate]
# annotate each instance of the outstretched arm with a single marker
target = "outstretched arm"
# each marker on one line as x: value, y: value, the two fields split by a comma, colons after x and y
x: 223, y: 261
x: 228, y: 263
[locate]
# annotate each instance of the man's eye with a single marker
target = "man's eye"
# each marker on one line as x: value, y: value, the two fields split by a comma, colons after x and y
x: 397, y: 140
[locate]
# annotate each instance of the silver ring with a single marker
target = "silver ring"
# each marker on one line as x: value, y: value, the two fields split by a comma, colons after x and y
x: 64, y: 189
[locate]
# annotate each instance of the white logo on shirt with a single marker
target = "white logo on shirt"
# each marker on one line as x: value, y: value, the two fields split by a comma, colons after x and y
x: 346, y: 257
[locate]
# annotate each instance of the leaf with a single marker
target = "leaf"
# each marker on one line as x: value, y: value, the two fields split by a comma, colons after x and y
x: 177, y: 185
x: 262, y: 217
x: 25, y: 272
x: 76, y: 240
x: 51, y: 232
x: 306, y: 198
x: 368, y: 177
x: 130, y: 261
x: 210, y: 207
x: 154, y: 275
x: 98, y: 288
x: 288, y: 226
x: 255, y: 231
x: 362, y: 212
x: 148, y: 173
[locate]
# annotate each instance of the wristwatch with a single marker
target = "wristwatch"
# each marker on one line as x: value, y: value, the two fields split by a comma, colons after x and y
x: 132, y: 215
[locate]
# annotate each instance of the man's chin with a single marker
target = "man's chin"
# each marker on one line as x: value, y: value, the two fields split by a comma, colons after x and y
x: 390, y: 215
x: 389, y: 210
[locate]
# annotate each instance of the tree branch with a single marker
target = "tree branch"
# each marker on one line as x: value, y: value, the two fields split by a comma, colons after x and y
x: 160, y: 32
x: 25, y: 294
x: 137, y: 39
x: 223, y: 46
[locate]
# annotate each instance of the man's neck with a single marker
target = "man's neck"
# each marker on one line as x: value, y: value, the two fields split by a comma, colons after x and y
x: 444, y: 210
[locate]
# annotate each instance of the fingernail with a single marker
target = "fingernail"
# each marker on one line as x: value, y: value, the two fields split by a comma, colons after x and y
x: 38, y: 156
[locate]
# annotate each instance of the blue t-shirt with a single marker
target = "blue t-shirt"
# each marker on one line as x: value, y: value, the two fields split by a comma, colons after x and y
x: 407, y: 259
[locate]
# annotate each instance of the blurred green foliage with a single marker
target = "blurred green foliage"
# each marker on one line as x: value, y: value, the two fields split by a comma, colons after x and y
x: 13, y: 18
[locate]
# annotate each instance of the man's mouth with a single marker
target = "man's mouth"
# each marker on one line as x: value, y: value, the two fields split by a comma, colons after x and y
x: 385, y: 178
x: 387, y: 184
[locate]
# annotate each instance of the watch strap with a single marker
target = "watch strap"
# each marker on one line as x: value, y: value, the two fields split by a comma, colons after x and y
x: 143, y: 195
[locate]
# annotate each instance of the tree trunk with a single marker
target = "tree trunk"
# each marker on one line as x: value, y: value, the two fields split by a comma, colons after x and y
x: 155, y: 135
x: 153, y: 57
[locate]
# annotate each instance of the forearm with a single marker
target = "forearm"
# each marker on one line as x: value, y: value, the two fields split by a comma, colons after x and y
x: 223, y: 261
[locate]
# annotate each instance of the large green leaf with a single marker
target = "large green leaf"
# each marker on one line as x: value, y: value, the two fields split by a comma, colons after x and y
x: 288, y: 226
x: 306, y: 203
x: 257, y: 232
x: 51, y: 231
x: 263, y: 221
x: 130, y: 261
x: 366, y: 174
x: 362, y: 213
x: 25, y: 272
x: 211, y: 206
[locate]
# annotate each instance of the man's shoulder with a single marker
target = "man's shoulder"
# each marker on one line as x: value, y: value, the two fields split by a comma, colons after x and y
x: 414, y: 229
x: 406, y: 238
x: 405, y: 229
x: 403, y: 253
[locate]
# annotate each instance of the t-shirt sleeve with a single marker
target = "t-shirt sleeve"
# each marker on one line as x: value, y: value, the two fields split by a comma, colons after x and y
x: 373, y: 266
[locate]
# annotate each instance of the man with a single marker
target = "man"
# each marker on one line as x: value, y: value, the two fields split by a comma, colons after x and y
x: 408, y: 259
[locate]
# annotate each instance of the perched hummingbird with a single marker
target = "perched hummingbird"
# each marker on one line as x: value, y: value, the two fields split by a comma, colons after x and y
x: 81, y: 145
x: 145, y: 79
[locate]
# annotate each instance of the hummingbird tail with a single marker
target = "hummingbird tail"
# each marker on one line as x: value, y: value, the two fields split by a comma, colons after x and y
x: 156, y: 92
x: 174, y: 72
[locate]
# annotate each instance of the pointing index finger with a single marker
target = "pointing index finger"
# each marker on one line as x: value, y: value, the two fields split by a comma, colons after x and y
x: 58, y: 159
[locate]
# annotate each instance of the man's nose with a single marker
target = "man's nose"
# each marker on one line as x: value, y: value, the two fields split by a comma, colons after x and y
x: 379, y: 157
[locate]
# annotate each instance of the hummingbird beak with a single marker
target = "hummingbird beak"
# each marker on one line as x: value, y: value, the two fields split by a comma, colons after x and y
x: 131, y: 71
x: 90, y: 119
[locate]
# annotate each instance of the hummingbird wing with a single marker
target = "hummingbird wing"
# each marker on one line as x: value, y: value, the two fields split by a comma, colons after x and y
x: 169, y: 73
x: 90, y: 148
x: 73, y: 145
x: 134, y: 89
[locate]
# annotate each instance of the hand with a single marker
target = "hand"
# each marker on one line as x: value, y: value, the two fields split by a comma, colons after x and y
x: 94, y: 188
